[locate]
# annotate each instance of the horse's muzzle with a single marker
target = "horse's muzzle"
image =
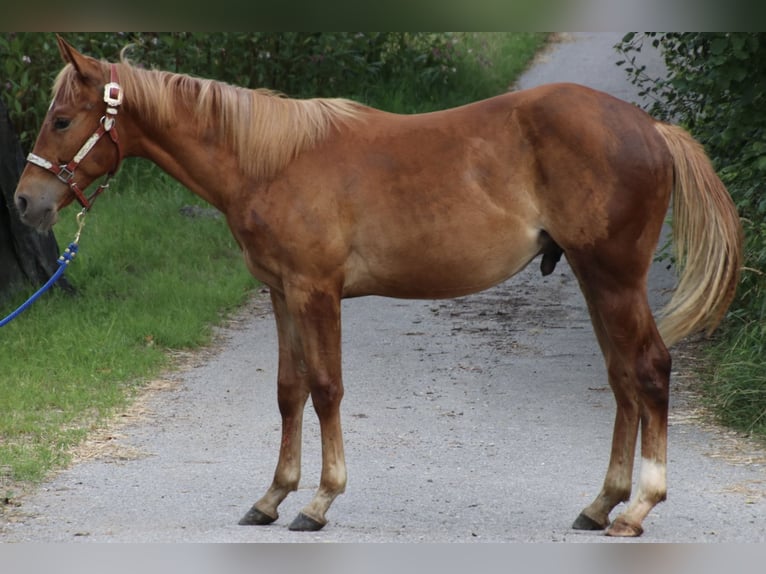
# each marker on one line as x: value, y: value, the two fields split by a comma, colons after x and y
x: 40, y: 214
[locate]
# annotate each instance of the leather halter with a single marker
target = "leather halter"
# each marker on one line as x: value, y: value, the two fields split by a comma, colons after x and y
x: 65, y: 172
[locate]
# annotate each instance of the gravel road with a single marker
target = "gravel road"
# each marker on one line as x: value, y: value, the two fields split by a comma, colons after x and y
x: 485, y: 418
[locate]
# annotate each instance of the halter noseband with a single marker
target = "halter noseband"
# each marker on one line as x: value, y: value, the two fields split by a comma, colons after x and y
x: 65, y: 171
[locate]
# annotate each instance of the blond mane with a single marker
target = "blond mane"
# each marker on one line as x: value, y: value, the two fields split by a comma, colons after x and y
x: 265, y: 129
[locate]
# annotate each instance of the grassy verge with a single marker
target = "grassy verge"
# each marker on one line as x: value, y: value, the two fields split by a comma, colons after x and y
x: 735, y: 384
x: 730, y: 367
x: 150, y: 279
x: 737, y: 387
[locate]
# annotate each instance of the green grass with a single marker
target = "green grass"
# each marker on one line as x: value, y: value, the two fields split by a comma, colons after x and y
x: 486, y: 64
x: 735, y: 383
x: 734, y: 373
x: 491, y: 59
x: 150, y: 280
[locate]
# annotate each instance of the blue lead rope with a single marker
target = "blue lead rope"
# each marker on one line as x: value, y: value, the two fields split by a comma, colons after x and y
x: 63, y: 261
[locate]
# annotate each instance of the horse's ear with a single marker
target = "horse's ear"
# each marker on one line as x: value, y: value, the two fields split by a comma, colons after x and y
x: 86, y: 67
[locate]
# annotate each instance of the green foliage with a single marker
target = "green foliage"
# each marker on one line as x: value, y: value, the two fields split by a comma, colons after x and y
x: 302, y: 64
x: 428, y: 70
x: 299, y: 64
x: 716, y: 87
x: 30, y: 62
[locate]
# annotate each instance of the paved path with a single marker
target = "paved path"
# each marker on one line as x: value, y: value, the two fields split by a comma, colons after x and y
x: 486, y: 418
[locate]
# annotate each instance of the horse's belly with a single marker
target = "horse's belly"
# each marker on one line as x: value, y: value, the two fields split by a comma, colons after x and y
x: 441, y: 267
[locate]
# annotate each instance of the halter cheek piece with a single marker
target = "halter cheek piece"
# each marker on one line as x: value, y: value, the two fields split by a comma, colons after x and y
x: 66, y: 171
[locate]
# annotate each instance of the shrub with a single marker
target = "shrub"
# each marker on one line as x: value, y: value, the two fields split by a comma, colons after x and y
x: 299, y: 64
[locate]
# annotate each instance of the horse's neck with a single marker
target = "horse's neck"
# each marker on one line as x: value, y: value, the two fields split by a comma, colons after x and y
x: 221, y: 157
x: 204, y: 167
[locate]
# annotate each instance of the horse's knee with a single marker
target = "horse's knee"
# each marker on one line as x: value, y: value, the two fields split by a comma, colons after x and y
x: 326, y: 393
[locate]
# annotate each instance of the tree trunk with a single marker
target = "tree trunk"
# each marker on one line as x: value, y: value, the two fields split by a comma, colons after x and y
x: 26, y: 256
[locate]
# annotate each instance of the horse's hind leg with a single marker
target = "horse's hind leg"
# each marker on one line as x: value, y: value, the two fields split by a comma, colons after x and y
x: 292, y: 393
x: 617, y: 484
x: 638, y: 366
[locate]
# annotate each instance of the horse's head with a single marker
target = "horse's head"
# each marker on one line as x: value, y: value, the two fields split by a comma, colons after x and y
x: 70, y: 152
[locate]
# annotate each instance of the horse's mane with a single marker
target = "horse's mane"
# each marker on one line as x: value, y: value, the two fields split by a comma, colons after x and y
x: 265, y: 129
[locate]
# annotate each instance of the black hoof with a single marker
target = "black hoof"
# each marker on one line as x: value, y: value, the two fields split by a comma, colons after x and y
x: 305, y: 523
x: 587, y: 523
x: 256, y: 517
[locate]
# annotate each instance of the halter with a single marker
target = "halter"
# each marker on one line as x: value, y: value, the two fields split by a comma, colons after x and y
x: 65, y: 172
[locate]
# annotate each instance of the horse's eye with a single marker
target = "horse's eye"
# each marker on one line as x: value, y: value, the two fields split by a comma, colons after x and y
x: 61, y: 123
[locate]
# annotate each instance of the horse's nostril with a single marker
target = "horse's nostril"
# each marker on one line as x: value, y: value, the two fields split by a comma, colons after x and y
x: 21, y: 204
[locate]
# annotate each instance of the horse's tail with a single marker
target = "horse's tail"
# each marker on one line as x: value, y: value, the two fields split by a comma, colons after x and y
x: 707, y: 236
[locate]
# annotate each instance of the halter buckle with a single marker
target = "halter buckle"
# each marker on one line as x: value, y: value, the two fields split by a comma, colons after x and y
x: 65, y: 174
x: 112, y: 96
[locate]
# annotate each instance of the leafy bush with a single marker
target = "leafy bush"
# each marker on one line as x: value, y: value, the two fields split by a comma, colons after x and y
x: 299, y: 64
x: 716, y: 87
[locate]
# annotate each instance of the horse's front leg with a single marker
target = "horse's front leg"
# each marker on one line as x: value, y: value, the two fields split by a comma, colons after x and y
x: 292, y: 392
x: 316, y: 313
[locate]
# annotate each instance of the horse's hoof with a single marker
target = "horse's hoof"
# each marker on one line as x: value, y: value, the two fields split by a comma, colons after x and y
x: 621, y: 527
x: 305, y: 523
x: 256, y: 517
x: 584, y: 522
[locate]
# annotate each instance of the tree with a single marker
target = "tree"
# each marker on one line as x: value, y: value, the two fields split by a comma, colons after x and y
x: 26, y: 256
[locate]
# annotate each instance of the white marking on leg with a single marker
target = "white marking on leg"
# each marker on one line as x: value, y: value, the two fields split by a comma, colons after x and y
x: 652, y: 487
x: 652, y: 483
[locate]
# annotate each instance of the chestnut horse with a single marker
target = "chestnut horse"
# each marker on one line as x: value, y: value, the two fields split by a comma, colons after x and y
x: 329, y: 199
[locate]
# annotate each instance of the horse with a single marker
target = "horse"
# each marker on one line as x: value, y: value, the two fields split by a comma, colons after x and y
x: 330, y: 199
